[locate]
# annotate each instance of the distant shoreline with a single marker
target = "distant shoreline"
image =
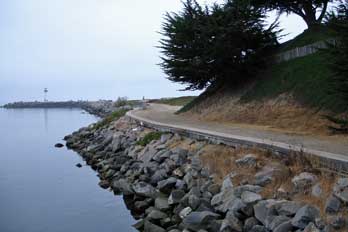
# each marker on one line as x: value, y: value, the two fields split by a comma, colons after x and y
x: 99, y: 108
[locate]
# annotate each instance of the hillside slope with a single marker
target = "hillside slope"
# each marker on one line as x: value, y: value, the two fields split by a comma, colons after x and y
x: 292, y: 96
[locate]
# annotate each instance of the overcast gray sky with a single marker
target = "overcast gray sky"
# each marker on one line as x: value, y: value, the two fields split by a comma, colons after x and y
x: 87, y: 49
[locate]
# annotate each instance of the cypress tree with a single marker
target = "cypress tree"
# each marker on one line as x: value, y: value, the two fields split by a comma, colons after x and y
x: 206, y: 45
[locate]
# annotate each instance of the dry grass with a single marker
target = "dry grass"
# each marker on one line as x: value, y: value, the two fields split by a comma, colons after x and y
x: 281, y: 113
x: 220, y: 161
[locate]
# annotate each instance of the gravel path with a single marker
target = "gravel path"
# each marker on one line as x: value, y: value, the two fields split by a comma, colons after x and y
x: 164, y: 114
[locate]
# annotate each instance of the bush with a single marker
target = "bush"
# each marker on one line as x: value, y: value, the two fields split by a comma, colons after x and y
x: 149, y: 137
x: 110, y: 118
x: 121, y: 101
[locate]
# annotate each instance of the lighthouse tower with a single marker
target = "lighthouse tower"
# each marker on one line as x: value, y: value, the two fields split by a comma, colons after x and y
x: 45, y: 95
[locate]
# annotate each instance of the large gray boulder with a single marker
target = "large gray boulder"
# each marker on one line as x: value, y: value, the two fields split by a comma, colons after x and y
x: 176, y: 196
x: 122, y: 186
x: 304, y: 216
x: 161, y: 156
x: 145, y: 190
x: 227, y: 183
x: 214, y: 189
x: 304, y: 180
x: 287, y: 208
x: 166, y: 137
x: 250, y: 188
x: 332, y: 205
x: 264, y: 176
x: 317, y: 191
x: 277, y: 221
x: 284, y: 227
x: 231, y: 223
x: 156, y: 215
x: 259, y: 228
x: 250, y: 197
x: 166, y: 186
x: 311, y: 228
x: 199, y: 220
x: 249, y: 223
x: 150, y: 227
x: 223, y: 201
x: 185, y: 212
x: 337, y: 222
x: 264, y: 209
x: 161, y: 203
x: 158, y: 176
x: 194, y: 201
x: 147, y: 154
x: 247, y: 161
x: 341, y: 189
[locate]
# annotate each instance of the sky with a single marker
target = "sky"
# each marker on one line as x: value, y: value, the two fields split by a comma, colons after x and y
x: 88, y: 49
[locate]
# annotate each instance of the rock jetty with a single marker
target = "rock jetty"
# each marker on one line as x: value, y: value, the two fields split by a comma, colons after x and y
x: 168, y: 188
x: 99, y: 108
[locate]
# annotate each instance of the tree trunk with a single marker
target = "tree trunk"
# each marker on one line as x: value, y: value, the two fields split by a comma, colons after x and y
x: 310, y: 14
x: 312, y: 23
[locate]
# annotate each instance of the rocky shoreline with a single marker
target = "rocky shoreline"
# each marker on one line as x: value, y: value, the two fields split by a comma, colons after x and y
x: 167, y: 185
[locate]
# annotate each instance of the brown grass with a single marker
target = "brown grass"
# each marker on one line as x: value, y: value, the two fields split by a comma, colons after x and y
x: 281, y: 113
x: 220, y: 160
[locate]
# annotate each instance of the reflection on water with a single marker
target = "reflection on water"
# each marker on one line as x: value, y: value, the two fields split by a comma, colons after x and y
x: 40, y: 187
x: 46, y: 119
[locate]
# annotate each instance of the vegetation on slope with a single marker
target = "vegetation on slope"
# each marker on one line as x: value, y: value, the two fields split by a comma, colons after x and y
x: 177, y: 101
x: 309, y: 36
x: 154, y: 135
x: 308, y: 79
x: 110, y: 118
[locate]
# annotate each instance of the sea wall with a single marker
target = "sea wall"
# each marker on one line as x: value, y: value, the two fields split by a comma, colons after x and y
x: 167, y: 186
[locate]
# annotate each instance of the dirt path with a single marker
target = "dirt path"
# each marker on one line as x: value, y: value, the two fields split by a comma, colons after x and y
x: 165, y: 114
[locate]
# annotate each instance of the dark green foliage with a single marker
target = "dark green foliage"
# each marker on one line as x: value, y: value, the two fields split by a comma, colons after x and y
x: 311, y: 11
x: 225, y: 43
x: 110, y: 118
x: 342, y: 125
x: 155, y: 135
x: 307, y: 78
x: 338, y: 53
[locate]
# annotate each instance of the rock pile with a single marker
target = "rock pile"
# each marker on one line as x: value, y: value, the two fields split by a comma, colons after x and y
x: 168, y: 189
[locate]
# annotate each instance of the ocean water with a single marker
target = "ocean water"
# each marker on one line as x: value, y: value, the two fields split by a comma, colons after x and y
x: 41, y: 189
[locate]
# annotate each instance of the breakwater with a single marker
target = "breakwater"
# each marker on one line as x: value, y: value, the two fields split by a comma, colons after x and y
x: 100, y: 108
x: 171, y: 183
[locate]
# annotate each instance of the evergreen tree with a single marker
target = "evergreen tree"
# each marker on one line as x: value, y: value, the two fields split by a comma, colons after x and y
x: 223, y: 43
x: 338, y: 53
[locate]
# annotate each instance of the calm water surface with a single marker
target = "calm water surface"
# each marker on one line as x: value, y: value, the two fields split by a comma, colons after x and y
x: 41, y: 189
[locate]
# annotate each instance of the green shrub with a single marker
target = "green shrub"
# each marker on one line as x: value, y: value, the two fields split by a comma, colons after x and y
x: 155, y: 135
x: 110, y: 118
x: 121, y: 101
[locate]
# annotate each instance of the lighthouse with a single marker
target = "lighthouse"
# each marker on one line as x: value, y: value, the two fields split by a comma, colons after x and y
x: 45, y: 94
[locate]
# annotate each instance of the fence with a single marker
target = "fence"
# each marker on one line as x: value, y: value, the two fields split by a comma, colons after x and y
x: 303, y: 51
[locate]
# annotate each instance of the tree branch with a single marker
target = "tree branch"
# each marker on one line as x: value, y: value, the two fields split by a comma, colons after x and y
x: 323, y: 12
